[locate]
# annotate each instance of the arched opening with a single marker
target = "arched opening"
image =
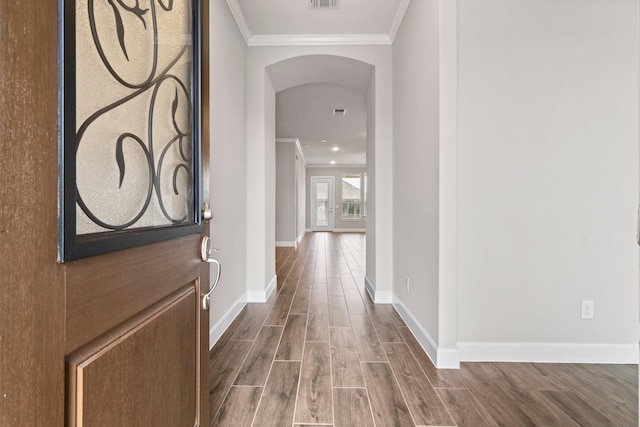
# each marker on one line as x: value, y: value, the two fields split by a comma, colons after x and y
x: 277, y: 70
x: 312, y: 137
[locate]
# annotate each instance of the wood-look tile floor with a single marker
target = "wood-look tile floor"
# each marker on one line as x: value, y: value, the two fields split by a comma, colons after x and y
x: 320, y: 353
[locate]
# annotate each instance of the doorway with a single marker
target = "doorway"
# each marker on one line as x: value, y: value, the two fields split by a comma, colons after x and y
x: 322, y: 203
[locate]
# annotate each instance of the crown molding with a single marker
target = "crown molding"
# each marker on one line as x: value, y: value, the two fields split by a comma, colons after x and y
x: 319, y: 40
x: 397, y: 20
x: 241, y: 22
x: 316, y: 39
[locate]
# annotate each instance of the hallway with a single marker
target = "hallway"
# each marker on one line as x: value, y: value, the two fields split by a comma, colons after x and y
x: 321, y: 353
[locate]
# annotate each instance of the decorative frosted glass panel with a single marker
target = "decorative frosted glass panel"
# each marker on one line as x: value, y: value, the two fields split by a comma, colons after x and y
x: 322, y: 204
x: 133, y: 114
x: 131, y: 105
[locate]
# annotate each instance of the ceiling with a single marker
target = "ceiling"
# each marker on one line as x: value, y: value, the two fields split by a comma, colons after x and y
x: 306, y: 113
x: 309, y: 90
x: 269, y: 22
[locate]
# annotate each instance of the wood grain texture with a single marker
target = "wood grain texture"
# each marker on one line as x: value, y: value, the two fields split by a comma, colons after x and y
x: 423, y: 402
x: 318, y: 327
x: 344, y: 359
x: 338, y: 313
x: 355, y: 305
x: 253, y: 322
x: 348, y: 282
x: 580, y: 410
x: 367, y: 342
x: 255, y: 369
x: 278, y: 401
x: 614, y: 397
x: 223, y: 369
x: 32, y: 290
x: 292, y: 342
x: 387, y: 404
x: 465, y: 408
x: 334, y: 286
x: 110, y: 375
x: 352, y: 408
x: 478, y: 394
x: 301, y: 299
x: 628, y: 373
x: 320, y: 275
x: 502, y: 408
x: 449, y: 378
x: 280, y: 311
x: 289, y: 285
x: 105, y: 290
x: 314, y: 403
x: 382, y: 318
x: 240, y: 408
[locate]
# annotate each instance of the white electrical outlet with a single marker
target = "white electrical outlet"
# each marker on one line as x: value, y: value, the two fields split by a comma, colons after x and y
x: 406, y: 285
x: 587, y: 309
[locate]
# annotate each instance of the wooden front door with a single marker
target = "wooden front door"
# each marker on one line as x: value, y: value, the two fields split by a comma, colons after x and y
x: 116, y: 339
x: 136, y: 337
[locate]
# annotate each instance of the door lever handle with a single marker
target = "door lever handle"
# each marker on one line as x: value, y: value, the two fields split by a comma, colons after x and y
x: 205, y: 253
x: 206, y: 298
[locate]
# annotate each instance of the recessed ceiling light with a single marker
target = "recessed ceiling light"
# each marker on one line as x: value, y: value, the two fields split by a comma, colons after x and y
x: 324, y: 140
x: 333, y: 162
x: 335, y: 149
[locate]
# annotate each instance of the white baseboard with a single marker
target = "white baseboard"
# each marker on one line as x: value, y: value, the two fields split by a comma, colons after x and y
x: 442, y: 358
x: 377, y: 296
x: 549, y: 353
x: 301, y: 236
x: 216, y: 331
x: 263, y: 296
x: 280, y: 244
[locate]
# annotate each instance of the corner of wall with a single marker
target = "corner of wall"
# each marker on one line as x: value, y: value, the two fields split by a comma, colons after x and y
x: 442, y: 358
x: 263, y: 295
x: 216, y: 331
x: 378, y: 297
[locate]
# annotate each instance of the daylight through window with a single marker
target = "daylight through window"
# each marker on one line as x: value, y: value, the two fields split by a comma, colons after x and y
x: 351, y: 196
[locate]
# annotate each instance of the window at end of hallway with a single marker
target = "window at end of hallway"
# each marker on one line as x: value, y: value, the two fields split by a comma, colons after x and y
x: 351, y: 196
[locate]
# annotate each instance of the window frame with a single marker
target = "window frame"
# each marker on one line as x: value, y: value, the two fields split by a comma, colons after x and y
x: 360, y: 216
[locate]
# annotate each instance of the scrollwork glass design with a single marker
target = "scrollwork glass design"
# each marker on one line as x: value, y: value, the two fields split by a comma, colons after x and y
x: 134, y: 137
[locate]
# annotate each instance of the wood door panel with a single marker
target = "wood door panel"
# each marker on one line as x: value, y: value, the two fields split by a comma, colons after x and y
x: 146, y: 376
x: 106, y: 290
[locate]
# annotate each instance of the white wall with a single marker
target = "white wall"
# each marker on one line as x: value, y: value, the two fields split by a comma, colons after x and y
x: 548, y: 178
x: 301, y: 194
x: 425, y: 174
x: 286, y: 221
x: 270, y: 186
x: 416, y: 125
x: 371, y: 254
x: 259, y: 238
x: 227, y: 164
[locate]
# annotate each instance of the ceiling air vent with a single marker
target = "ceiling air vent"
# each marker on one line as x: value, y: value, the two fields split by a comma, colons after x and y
x: 339, y: 111
x: 324, y: 4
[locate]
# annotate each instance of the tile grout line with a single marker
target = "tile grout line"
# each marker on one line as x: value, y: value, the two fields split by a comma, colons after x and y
x: 232, y: 382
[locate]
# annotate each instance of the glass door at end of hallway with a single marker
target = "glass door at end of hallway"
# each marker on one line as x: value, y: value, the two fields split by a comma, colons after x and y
x: 322, y: 203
